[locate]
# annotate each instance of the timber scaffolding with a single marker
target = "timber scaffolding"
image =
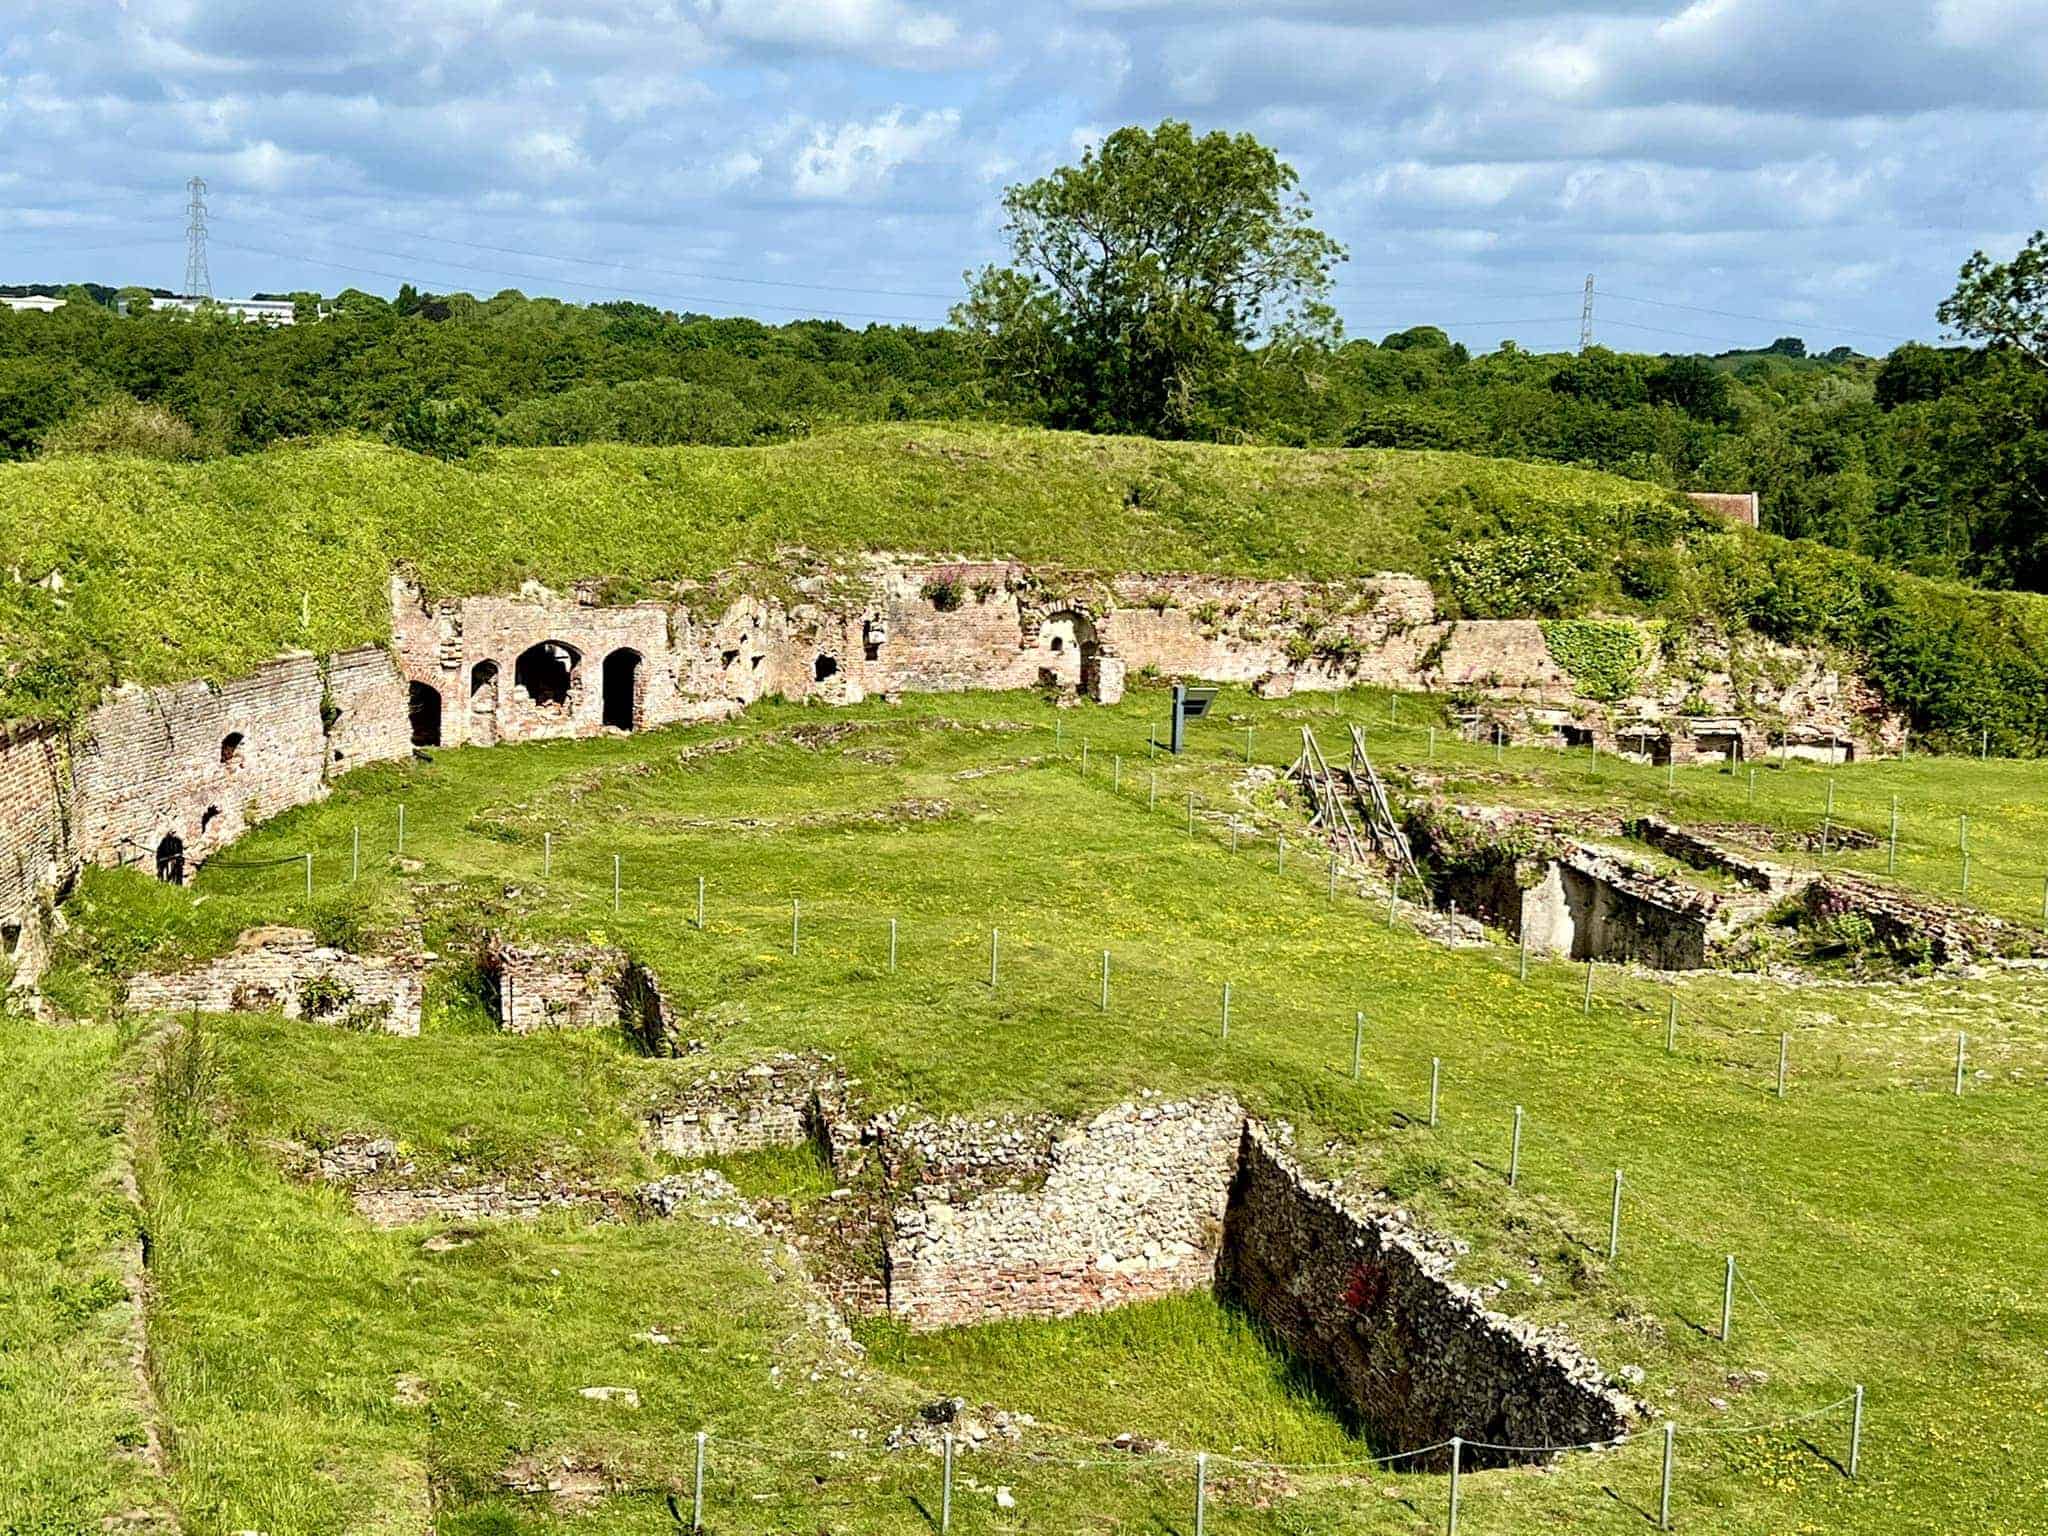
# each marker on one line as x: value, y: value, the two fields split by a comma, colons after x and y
x: 1332, y: 793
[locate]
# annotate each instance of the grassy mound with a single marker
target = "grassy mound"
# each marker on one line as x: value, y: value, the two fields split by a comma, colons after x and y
x: 175, y: 571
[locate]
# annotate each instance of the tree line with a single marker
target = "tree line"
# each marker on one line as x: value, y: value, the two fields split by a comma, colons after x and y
x: 1168, y: 284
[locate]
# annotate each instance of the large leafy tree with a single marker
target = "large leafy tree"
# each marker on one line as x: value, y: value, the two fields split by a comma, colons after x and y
x: 1140, y: 275
x: 2004, y: 302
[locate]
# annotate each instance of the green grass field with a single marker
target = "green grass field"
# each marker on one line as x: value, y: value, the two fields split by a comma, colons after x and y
x: 1887, y: 1232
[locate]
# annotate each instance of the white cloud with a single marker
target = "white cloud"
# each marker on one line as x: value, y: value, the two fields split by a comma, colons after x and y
x: 856, y: 159
x: 1742, y: 154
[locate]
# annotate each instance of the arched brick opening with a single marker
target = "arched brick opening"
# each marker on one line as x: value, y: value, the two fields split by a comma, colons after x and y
x: 483, y: 703
x: 825, y: 667
x: 1069, y: 641
x: 170, y: 859
x: 545, y: 675
x: 622, y: 689
x: 424, y: 707
x: 231, y: 750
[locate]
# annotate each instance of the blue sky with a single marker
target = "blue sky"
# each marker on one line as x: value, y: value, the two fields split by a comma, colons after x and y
x: 1731, y: 170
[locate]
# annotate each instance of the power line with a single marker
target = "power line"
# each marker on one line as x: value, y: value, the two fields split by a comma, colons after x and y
x: 1730, y: 314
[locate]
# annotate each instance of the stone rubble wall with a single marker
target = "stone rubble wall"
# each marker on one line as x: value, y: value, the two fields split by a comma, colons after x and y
x: 149, y: 763
x: 275, y: 967
x: 1905, y: 921
x: 379, y: 1180
x: 1701, y: 852
x: 1131, y: 1209
x: 1418, y: 1356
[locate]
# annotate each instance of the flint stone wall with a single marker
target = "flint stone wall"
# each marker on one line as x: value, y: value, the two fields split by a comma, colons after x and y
x: 1131, y: 1209
x: 273, y: 967
x: 1416, y: 1355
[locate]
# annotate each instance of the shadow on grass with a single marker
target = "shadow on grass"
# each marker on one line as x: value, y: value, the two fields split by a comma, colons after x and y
x: 1649, y: 1516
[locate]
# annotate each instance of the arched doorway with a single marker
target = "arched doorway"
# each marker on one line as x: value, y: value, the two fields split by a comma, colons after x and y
x: 1068, y: 639
x: 483, y: 703
x: 170, y: 859
x: 424, y: 705
x: 545, y: 676
x: 622, y: 689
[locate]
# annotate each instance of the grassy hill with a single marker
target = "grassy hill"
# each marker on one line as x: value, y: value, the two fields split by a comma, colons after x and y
x: 171, y: 572
x: 1885, y: 1228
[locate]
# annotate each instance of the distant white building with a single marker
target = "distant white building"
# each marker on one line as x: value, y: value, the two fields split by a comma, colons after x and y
x: 264, y: 311
x: 37, y: 301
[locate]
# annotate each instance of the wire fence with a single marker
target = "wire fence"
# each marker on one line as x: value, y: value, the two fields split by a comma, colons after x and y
x: 861, y: 940
x: 1181, y: 1477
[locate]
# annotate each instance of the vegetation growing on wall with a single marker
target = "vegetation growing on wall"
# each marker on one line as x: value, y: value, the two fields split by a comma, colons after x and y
x: 1603, y: 657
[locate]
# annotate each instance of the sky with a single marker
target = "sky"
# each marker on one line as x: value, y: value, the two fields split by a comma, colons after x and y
x: 1728, y: 171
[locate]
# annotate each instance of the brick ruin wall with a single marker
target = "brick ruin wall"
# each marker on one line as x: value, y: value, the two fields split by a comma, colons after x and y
x: 34, y: 841
x: 1416, y: 1356
x: 287, y: 969
x: 187, y: 768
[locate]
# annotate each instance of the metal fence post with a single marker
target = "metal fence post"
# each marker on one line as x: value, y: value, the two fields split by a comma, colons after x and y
x: 1586, y: 1004
x: 1201, y: 1492
x: 1962, y: 1042
x: 700, y: 903
x: 995, y: 950
x: 1664, y: 1490
x: 892, y: 946
x: 946, y: 1489
x: 1727, y: 1298
x: 401, y: 826
x: 1105, y: 981
x: 1457, y: 1456
x: 1856, y: 1431
x: 697, y: 1488
x: 615, y: 882
x: 355, y: 853
x: 1515, y: 1150
x: 1357, y: 1042
x: 1226, y: 1010
x: 547, y: 854
x: 1614, y: 1221
x: 1671, y: 1024
x: 1435, y: 1079
x: 1784, y: 1045
x: 796, y: 916
x: 309, y: 877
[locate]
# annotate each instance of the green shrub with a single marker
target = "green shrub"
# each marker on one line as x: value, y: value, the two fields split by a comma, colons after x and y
x: 125, y: 426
